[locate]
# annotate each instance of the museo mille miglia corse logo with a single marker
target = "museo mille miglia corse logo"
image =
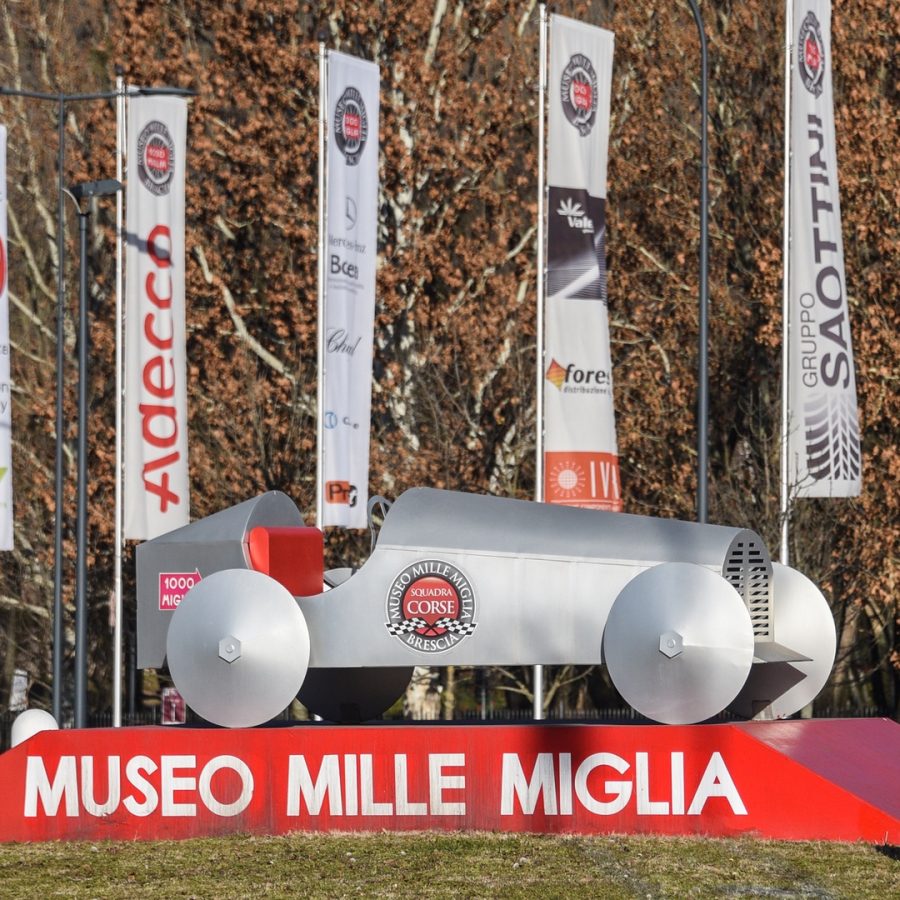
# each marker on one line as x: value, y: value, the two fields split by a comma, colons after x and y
x: 578, y: 93
x: 351, y: 125
x: 431, y: 606
x: 811, y: 55
x: 156, y: 158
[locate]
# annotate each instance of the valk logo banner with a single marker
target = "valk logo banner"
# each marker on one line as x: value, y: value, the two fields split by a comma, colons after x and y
x: 6, y: 494
x: 581, y: 465
x: 159, y: 783
x: 823, y: 437
x: 352, y: 214
x: 156, y: 428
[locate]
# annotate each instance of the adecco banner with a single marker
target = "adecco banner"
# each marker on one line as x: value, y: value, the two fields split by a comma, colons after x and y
x: 823, y: 426
x: 157, y: 783
x: 581, y: 464
x: 156, y: 448
x: 352, y: 205
x: 6, y: 494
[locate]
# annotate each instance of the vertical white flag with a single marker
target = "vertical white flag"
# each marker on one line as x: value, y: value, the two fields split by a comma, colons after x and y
x: 156, y: 427
x: 351, y: 248
x: 6, y: 494
x: 581, y: 464
x: 823, y: 449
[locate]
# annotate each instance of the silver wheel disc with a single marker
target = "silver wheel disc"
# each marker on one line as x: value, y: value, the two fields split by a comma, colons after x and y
x: 238, y: 648
x: 678, y: 643
x: 803, y: 622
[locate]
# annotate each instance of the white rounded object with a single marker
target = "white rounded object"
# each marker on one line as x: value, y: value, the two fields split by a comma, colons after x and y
x: 678, y: 643
x: 30, y: 723
x: 238, y: 648
x: 802, y: 622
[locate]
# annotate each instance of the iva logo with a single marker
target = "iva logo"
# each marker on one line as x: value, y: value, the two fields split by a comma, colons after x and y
x: 573, y: 212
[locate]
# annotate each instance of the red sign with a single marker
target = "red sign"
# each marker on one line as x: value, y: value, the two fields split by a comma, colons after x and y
x: 791, y: 780
x: 174, y: 711
x: 173, y: 586
x: 583, y: 479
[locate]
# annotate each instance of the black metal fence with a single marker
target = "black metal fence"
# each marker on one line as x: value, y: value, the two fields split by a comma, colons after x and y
x: 612, y: 716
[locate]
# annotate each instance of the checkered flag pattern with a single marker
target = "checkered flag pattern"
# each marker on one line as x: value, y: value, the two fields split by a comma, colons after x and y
x: 407, y: 626
x: 455, y: 626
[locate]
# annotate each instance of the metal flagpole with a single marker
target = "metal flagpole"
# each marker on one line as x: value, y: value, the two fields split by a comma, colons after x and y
x: 703, y: 363
x: 58, y: 629
x: 320, y: 313
x: 785, y: 289
x: 117, y: 567
x: 539, y: 367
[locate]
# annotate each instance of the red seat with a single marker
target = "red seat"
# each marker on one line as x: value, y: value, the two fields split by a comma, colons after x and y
x: 294, y: 556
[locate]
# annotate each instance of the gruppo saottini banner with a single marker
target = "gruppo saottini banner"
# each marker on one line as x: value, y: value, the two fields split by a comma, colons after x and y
x: 156, y: 447
x: 6, y: 495
x: 823, y: 449
x: 352, y: 205
x: 581, y: 465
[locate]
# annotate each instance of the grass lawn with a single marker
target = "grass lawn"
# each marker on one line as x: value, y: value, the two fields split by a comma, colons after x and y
x: 450, y: 865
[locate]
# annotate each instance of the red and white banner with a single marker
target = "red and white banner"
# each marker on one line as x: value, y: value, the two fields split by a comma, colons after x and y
x: 833, y: 780
x: 351, y: 250
x: 824, y: 456
x: 581, y: 464
x: 6, y: 493
x: 156, y: 482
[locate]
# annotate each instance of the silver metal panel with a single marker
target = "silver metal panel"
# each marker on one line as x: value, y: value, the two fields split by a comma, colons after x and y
x: 425, y: 517
x: 208, y: 545
x: 544, y: 578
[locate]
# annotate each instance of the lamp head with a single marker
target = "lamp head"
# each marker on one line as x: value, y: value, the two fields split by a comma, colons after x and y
x: 96, y: 188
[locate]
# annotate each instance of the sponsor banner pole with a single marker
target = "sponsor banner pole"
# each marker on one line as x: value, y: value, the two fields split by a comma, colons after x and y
x: 58, y: 468
x: 349, y: 320
x: 581, y: 465
x: 703, y: 317
x: 823, y: 444
x: 538, y: 686
x: 542, y: 187
x: 320, y: 293
x: 785, y: 511
x: 6, y: 495
x: 117, y: 558
x: 156, y: 492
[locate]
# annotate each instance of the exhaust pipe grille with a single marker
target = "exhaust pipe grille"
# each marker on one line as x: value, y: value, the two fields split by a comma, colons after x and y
x: 748, y: 570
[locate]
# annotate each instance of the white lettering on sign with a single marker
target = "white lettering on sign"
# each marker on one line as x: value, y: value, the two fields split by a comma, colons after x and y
x: 351, y: 788
x: 177, y: 777
x: 552, y: 784
x: 173, y: 586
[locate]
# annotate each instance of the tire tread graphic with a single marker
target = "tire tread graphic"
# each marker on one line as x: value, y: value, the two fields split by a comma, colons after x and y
x: 832, y: 437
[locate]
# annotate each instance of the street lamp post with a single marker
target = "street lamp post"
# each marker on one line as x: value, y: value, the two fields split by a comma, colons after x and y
x: 61, y: 99
x: 78, y: 193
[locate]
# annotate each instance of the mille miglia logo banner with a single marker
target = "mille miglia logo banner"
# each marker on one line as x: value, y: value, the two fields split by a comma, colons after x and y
x: 581, y: 465
x: 156, y: 449
x: 823, y: 436
x: 352, y: 203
